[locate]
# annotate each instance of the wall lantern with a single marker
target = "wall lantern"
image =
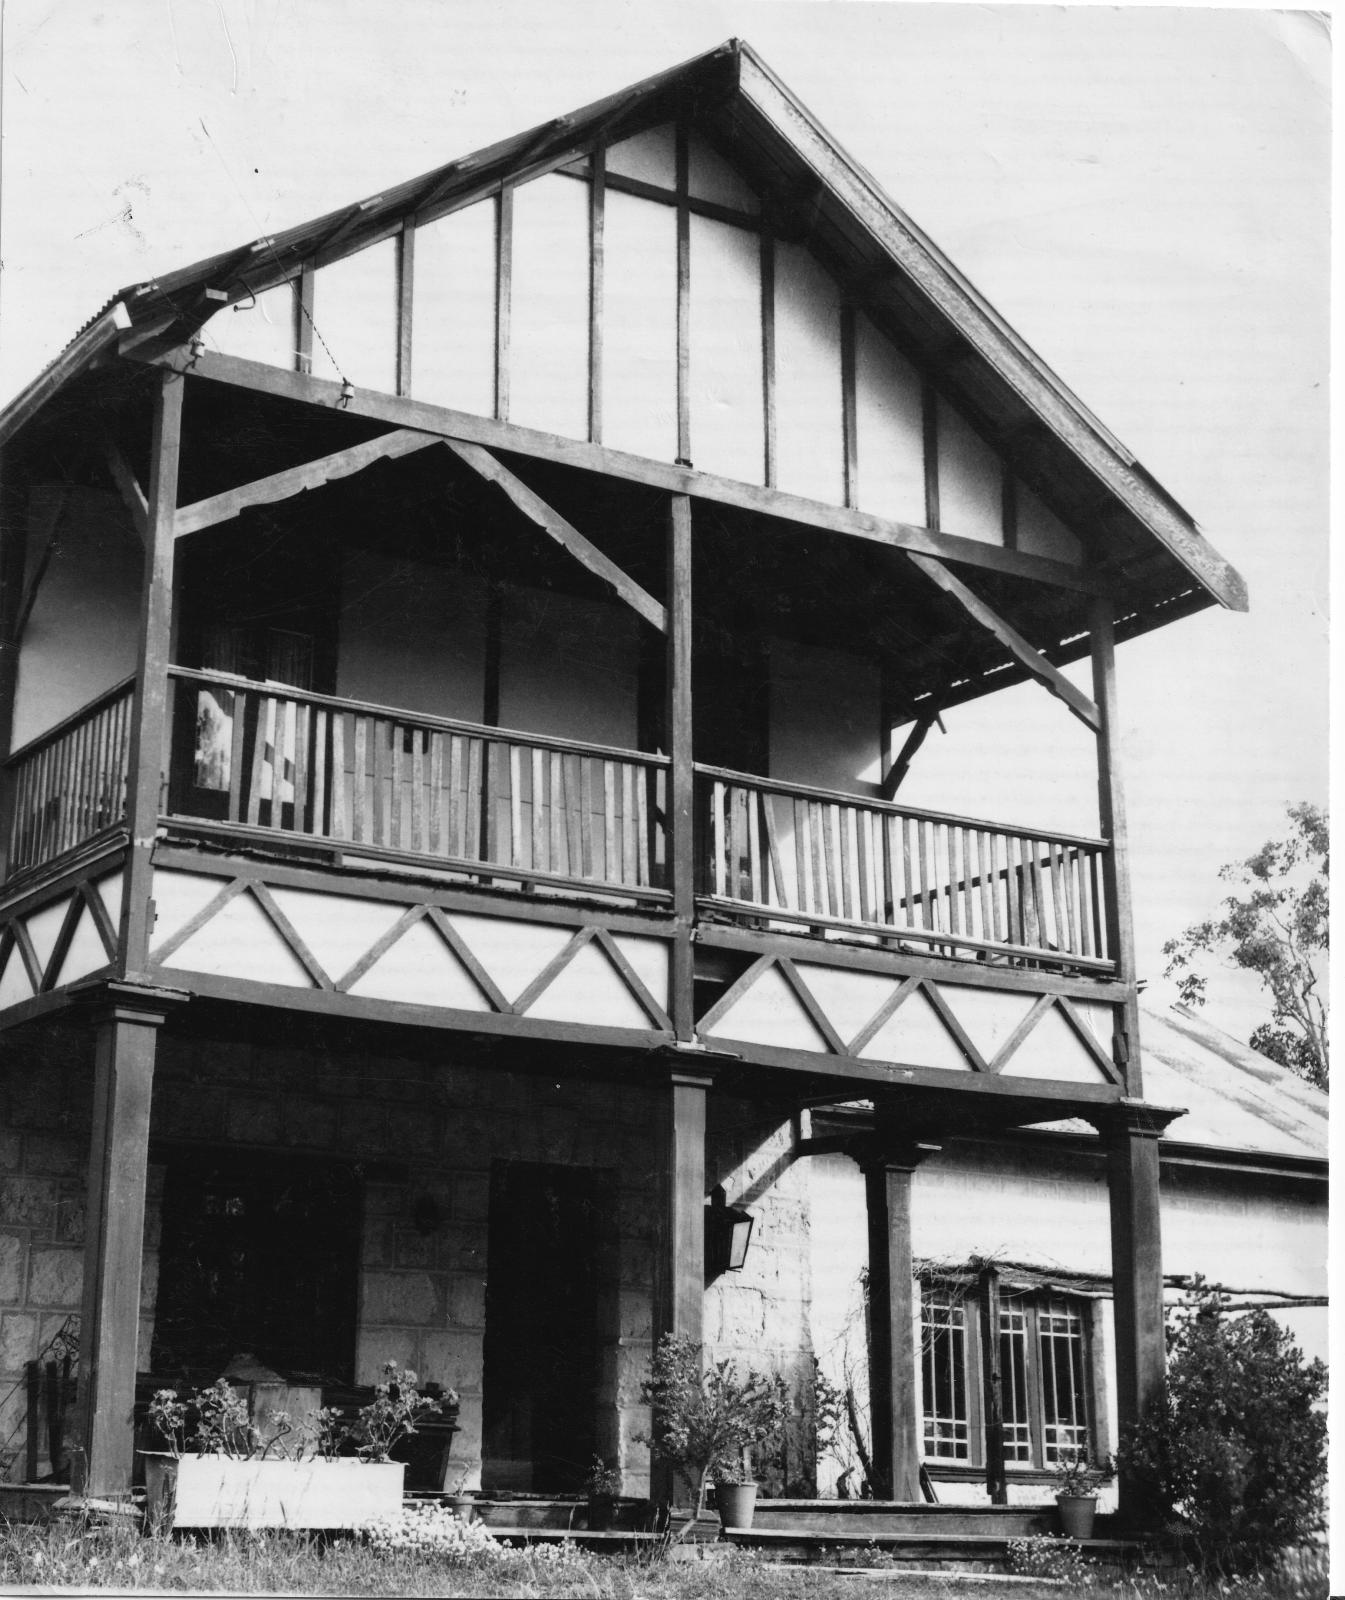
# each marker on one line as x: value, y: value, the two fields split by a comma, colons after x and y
x: 727, y: 1233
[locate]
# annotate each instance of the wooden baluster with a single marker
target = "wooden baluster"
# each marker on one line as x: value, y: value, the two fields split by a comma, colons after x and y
x: 1083, y: 860
x: 864, y: 859
x: 435, y: 801
x: 968, y: 887
x: 1062, y: 941
x: 539, y: 855
x: 265, y: 706
x: 718, y: 802
x: 985, y: 866
x: 336, y: 782
x: 1068, y: 858
x: 496, y: 796
x: 1031, y: 895
x: 65, y: 813
x: 799, y: 811
x: 908, y: 917
x: 98, y: 766
x: 954, y: 881
x: 644, y: 779
x: 75, y: 830
x: 392, y: 816
x: 845, y: 854
x: 573, y: 831
x: 359, y: 817
x: 733, y: 800
x: 1098, y: 867
x: 586, y: 830
x: 630, y: 831
x: 237, y: 745
x: 752, y: 831
x: 473, y: 800
x: 826, y: 832
x: 556, y: 774
x: 516, y: 834
x: 454, y: 823
x: 302, y: 718
x: 922, y: 829
x: 317, y: 767
x: 611, y: 869
x: 777, y: 866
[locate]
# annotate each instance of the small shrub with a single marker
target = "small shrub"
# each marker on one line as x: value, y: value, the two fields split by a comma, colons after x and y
x: 427, y: 1528
x: 1236, y: 1445
x: 1048, y: 1555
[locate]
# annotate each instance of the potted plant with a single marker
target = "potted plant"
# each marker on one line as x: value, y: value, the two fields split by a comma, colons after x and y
x: 461, y: 1502
x: 707, y: 1419
x: 602, y: 1484
x: 1077, y: 1481
x: 219, y: 1469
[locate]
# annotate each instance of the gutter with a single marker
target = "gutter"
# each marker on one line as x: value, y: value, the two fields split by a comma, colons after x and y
x: 75, y: 359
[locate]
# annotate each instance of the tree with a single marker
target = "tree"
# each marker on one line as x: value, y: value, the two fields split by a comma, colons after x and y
x: 1235, y: 1445
x: 1275, y: 925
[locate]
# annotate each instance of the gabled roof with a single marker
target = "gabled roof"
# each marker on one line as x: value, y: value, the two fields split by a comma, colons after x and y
x: 814, y: 192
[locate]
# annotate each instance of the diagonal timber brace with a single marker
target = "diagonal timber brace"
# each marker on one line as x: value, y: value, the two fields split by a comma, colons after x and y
x: 1050, y: 677
x: 295, y: 480
x: 564, y: 533
x: 128, y: 487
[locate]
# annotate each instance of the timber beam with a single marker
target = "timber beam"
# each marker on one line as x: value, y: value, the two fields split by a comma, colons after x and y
x: 564, y: 533
x: 1050, y: 677
x: 128, y: 487
x: 403, y: 412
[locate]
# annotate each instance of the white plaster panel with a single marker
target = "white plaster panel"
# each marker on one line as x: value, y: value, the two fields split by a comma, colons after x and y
x: 710, y: 177
x: 770, y: 1013
x: 889, y: 429
x: 988, y: 1016
x: 242, y: 942
x: 650, y: 156
x: 590, y: 989
x: 513, y: 953
x: 14, y: 984
x: 649, y: 958
x: 915, y: 1034
x: 549, y: 307
x: 726, y: 395
x: 639, y: 356
x: 971, y: 490
x: 355, y: 311
x: 850, y: 999
x: 1100, y: 1018
x: 110, y: 889
x: 86, y: 953
x: 178, y: 896
x: 1041, y: 532
x: 420, y: 969
x: 336, y: 928
x: 453, y: 307
x: 810, y: 445
x: 1053, y: 1050
x: 43, y: 927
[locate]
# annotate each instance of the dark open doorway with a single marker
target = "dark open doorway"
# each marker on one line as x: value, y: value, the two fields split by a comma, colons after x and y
x: 551, y: 1233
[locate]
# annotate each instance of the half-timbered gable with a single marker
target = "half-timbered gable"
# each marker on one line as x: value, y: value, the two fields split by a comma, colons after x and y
x: 491, y: 625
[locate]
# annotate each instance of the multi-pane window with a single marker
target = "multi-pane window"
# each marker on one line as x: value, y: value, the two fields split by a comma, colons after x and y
x: 1044, y: 1382
x: 944, y: 1376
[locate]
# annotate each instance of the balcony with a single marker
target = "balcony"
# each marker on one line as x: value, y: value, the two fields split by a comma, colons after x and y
x: 351, y: 785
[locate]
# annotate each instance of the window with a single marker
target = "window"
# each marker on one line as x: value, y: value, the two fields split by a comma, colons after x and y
x: 1045, y: 1376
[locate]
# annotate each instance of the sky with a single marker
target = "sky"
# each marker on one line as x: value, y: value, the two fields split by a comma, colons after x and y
x: 1142, y: 191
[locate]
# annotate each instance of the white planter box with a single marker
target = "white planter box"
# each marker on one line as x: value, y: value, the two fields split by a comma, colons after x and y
x: 218, y: 1492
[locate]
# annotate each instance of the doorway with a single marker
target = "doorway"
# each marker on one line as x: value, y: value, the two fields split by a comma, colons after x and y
x: 551, y: 1233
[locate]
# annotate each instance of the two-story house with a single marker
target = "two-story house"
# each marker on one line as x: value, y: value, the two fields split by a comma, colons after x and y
x: 460, y: 660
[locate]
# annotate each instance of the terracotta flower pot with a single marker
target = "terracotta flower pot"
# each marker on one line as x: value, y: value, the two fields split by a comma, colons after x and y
x: 1076, y: 1514
x: 737, y: 1503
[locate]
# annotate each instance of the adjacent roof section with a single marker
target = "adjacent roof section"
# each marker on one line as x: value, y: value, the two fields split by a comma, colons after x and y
x: 814, y: 193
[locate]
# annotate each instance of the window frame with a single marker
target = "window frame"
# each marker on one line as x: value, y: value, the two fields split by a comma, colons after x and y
x: 1033, y: 1302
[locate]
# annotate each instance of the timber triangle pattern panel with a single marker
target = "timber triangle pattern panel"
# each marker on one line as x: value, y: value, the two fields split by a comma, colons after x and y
x: 554, y: 305
x: 798, y: 1006
x: 71, y: 936
x: 245, y: 932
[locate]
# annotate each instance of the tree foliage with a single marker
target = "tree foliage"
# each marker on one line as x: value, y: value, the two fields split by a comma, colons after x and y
x: 1275, y: 924
x: 1236, y: 1444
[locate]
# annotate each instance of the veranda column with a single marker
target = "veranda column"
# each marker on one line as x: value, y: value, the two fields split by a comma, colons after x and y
x: 113, y: 1240
x: 679, y: 1271
x: 889, y: 1165
x: 681, y: 776
x: 1131, y: 1134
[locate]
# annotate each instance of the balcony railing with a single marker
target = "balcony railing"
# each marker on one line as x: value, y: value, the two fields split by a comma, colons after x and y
x: 379, y: 782
x: 68, y: 785
x: 955, y: 886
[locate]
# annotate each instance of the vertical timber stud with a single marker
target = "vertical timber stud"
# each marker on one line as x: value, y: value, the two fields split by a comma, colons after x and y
x: 113, y: 1243
x: 149, y: 716
x: 996, y: 1481
x: 682, y: 774
x: 1131, y: 1134
x: 13, y: 510
x: 1112, y: 817
x: 889, y: 1164
x: 679, y: 1274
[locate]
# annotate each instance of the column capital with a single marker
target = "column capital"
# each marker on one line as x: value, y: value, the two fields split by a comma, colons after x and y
x: 142, y: 1003
x: 1135, y: 1119
x: 880, y: 1152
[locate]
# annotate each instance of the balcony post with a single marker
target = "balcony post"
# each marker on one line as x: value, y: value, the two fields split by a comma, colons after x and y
x: 1116, y: 863
x: 124, y: 1048
x: 12, y: 514
x: 889, y: 1162
x: 149, y: 709
x: 681, y: 772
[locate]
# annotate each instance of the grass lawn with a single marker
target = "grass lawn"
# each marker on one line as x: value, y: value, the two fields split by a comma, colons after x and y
x: 89, y: 1556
